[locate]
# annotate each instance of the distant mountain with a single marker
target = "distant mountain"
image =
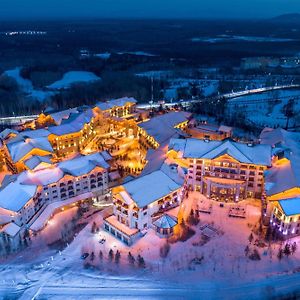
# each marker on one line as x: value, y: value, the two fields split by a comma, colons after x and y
x: 287, y: 18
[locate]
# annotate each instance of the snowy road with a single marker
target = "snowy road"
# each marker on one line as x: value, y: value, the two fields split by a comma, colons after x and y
x: 148, y: 289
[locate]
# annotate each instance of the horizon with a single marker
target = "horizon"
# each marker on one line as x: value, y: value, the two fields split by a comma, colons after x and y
x: 17, y: 10
x: 150, y: 18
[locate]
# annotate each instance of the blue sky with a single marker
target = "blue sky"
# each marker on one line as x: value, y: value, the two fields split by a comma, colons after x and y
x: 32, y: 9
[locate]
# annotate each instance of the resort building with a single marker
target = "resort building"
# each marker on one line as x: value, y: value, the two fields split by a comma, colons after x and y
x: 223, y: 170
x: 206, y: 131
x: 64, y: 133
x: 121, y: 108
x: 140, y: 203
x: 158, y: 130
x: 282, y: 181
x: 24, y: 196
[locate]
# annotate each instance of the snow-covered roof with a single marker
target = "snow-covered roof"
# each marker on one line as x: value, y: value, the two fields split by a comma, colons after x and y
x: 74, y: 123
x: 224, y: 128
x: 290, y: 206
x: 6, y: 132
x: 166, y: 221
x: 19, y: 189
x: 124, y: 195
x: 115, y: 103
x: 283, y: 175
x: 61, y: 115
x: 149, y: 188
x: 26, y: 141
x: 34, y: 161
x: 11, y: 229
x: 83, y: 164
x: 5, y: 218
x: 72, y: 77
x: 250, y: 154
x: 15, y: 195
x: 162, y: 127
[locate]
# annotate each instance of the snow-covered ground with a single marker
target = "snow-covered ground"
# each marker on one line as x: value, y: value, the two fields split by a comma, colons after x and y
x: 207, y: 87
x: 236, y: 38
x: 104, y: 56
x: 26, y: 86
x: 137, y: 53
x: 224, y: 273
x: 261, y: 111
x: 72, y: 77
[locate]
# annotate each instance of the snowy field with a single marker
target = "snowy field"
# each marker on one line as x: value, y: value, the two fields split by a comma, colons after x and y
x: 224, y: 273
x: 68, y: 79
x: 26, y: 86
x: 72, y: 77
x: 262, y: 111
x: 235, y: 38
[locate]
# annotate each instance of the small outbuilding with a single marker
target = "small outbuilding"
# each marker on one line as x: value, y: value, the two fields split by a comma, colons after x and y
x: 165, y: 224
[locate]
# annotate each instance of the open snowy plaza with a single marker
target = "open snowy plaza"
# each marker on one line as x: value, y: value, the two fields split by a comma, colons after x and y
x: 207, y: 264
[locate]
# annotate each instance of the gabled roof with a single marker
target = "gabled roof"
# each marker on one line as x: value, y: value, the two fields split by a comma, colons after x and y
x: 250, y: 154
x: 6, y: 132
x: 59, y: 116
x: 34, y: 161
x: 283, y: 175
x: 25, y: 142
x: 17, y: 190
x: 73, y: 124
x: 162, y: 127
x: 166, y: 221
x: 290, y: 206
x: 115, y: 103
x: 83, y: 164
x: 11, y: 229
x: 149, y: 188
x: 15, y: 195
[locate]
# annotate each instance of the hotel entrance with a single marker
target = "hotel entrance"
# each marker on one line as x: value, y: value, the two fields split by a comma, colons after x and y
x: 223, y: 189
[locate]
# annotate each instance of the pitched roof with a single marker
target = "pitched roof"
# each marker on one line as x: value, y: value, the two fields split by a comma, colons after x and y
x: 19, y: 189
x: 11, y: 229
x: 35, y: 160
x: 149, y: 188
x: 115, y: 102
x: 290, y: 206
x: 194, y: 148
x: 74, y: 123
x: 286, y: 175
x: 23, y: 144
x: 166, y: 221
x: 162, y: 127
x: 15, y: 195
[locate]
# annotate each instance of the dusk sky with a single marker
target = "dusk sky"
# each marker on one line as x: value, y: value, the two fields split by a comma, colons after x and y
x: 32, y: 9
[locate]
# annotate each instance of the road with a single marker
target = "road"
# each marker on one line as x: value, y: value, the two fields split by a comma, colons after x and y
x: 15, y: 120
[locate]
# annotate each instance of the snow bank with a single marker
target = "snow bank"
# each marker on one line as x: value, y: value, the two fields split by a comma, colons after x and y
x: 26, y: 86
x: 72, y: 77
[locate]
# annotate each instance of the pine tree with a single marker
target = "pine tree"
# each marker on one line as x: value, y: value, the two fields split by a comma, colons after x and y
x: 250, y: 238
x: 247, y: 249
x: 94, y: 227
x: 141, y: 262
x: 131, y: 258
x: 280, y: 254
x: 294, y: 247
x: 269, y: 234
x: 92, y: 256
x: 117, y: 257
x: 111, y: 254
x: 100, y: 255
x: 287, y: 250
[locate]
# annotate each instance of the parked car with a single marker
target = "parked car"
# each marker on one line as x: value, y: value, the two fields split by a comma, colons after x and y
x: 84, y: 255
